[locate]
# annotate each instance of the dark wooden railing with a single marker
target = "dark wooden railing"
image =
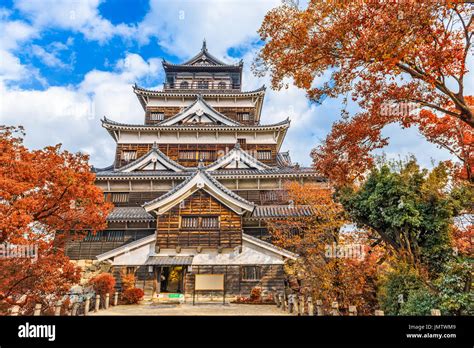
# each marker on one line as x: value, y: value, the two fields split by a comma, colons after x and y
x: 208, y: 85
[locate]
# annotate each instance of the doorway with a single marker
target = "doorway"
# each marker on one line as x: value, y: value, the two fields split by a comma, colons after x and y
x: 171, y: 279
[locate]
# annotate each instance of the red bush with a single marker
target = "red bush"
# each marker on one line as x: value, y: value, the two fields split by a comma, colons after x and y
x: 132, y: 295
x: 256, y: 294
x: 103, y: 284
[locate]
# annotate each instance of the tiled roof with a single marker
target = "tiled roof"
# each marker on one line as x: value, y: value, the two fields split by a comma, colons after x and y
x: 129, y: 214
x: 108, y: 122
x: 167, y: 161
x: 193, y: 93
x: 266, y: 245
x: 218, y: 174
x: 185, y: 182
x: 243, y: 155
x: 284, y: 159
x: 201, y: 100
x: 169, y: 260
x: 281, y: 211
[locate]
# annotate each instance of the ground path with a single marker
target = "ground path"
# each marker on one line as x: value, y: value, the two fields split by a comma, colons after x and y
x: 150, y: 308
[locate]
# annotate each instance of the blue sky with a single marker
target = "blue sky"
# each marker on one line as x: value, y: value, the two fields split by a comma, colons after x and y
x: 66, y: 64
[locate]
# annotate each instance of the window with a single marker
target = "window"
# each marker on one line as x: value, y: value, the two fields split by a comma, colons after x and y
x: 129, y: 155
x: 189, y: 222
x: 207, y: 155
x: 250, y: 273
x: 200, y: 222
x: 210, y: 222
x: 264, y: 155
x: 119, y: 197
x: 244, y: 116
x: 187, y: 155
x: 157, y: 116
x: 203, y: 84
x: 242, y: 141
x: 184, y: 85
x: 221, y: 85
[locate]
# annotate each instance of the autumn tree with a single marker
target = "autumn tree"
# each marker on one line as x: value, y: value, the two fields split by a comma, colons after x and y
x: 43, y: 194
x: 394, y: 59
x: 317, y: 239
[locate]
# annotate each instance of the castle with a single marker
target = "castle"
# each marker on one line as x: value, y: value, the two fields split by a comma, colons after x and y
x: 194, y: 185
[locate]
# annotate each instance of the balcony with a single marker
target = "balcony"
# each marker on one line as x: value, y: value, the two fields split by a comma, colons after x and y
x: 202, y: 85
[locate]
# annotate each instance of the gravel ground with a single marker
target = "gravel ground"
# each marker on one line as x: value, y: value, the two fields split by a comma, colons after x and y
x: 150, y: 308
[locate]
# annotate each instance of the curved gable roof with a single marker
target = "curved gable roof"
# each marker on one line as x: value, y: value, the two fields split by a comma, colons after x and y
x: 199, y: 109
x: 200, y: 180
x: 237, y: 159
x: 154, y: 160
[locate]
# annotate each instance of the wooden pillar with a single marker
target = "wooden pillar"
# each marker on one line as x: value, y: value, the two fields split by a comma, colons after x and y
x: 107, y: 301
x: 283, y: 302
x: 75, y: 306
x: 302, y: 305
x: 319, y: 308
x: 87, y: 304
x: 155, y: 282
x: 37, y: 309
x: 116, y: 298
x: 14, y: 311
x: 277, y: 300
x: 379, y: 313
x: 57, y: 308
x: 309, y: 303
x: 97, y: 303
x: 335, y: 309
x: 352, y: 311
x: 291, y: 303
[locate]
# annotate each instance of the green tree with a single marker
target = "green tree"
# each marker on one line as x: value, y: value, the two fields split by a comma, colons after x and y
x: 411, y: 209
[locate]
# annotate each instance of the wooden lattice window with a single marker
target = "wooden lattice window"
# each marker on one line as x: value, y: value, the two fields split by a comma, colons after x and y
x: 189, y: 222
x: 203, y: 84
x: 243, y: 116
x: 184, y: 85
x: 210, y: 222
x: 121, y: 197
x: 187, y: 155
x: 264, y: 154
x: 129, y: 155
x: 207, y: 155
x: 200, y: 222
x: 250, y: 273
x: 222, y: 85
x: 157, y: 116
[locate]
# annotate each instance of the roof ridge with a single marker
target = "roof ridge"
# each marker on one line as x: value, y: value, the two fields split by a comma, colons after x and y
x: 159, y: 153
x: 200, y: 98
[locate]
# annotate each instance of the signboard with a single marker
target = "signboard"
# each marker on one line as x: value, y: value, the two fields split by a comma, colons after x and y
x: 209, y: 282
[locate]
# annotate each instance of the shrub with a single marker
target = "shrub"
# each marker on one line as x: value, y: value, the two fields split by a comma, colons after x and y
x: 419, y: 302
x: 132, y: 295
x: 103, y: 284
x: 256, y: 294
x: 128, y: 281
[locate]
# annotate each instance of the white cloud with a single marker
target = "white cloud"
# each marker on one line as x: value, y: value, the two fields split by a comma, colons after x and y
x: 71, y: 115
x: 48, y: 58
x: 81, y: 16
x: 180, y: 26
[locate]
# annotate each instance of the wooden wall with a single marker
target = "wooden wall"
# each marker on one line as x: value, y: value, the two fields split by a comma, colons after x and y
x: 233, y: 113
x: 271, y: 279
x: 170, y: 234
x: 172, y: 151
x: 87, y: 250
